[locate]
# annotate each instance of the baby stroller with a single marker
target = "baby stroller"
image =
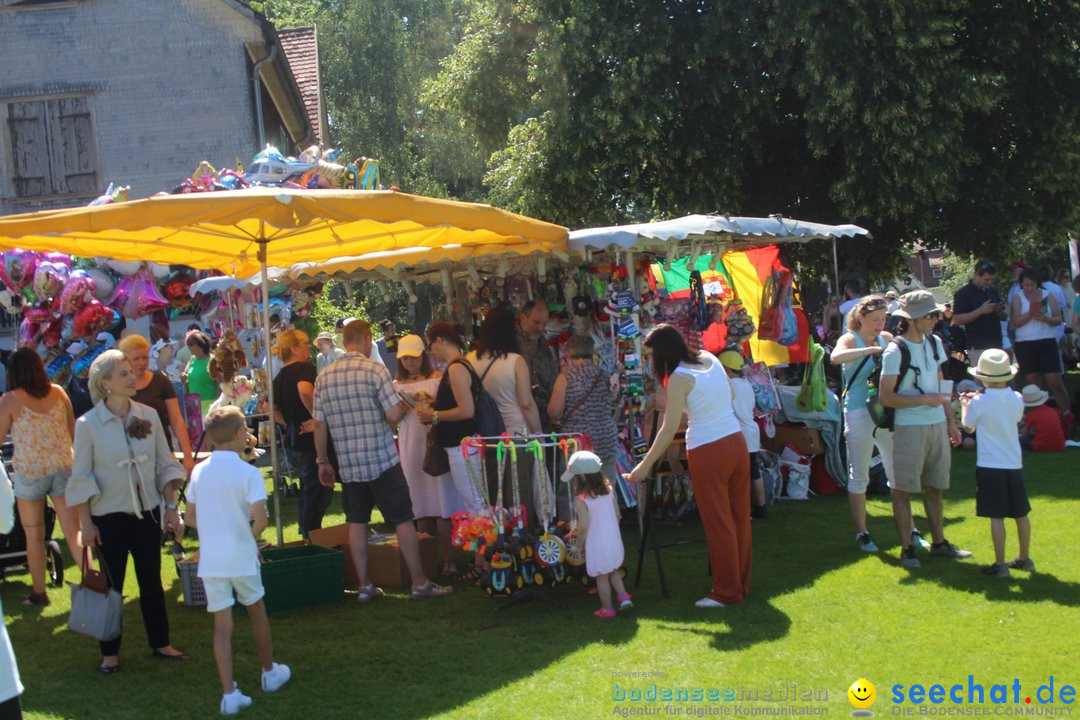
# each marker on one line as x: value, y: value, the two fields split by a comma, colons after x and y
x: 13, y: 550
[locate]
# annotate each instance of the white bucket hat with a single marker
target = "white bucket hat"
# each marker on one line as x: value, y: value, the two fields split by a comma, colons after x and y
x: 994, y: 366
x: 1034, y: 396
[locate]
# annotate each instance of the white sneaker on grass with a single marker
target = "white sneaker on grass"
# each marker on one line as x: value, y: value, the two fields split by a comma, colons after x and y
x: 234, y: 702
x: 275, y: 677
x: 708, y: 602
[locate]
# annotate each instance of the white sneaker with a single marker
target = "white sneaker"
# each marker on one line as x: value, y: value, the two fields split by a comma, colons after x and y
x: 275, y: 677
x: 234, y: 702
x: 708, y: 602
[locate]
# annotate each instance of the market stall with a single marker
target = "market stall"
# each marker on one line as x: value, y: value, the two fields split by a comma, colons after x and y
x: 251, y: 230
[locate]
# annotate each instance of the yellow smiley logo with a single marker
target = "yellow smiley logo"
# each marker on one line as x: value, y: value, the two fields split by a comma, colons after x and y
x: 862, y: 693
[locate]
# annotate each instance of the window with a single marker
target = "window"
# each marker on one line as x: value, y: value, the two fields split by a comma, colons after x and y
x: 936, y: 272
x: 52, y: 147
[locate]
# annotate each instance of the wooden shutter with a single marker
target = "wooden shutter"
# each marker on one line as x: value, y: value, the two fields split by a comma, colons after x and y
x: 52, y: 146
x: 29, y: 149
x: 73, y: 161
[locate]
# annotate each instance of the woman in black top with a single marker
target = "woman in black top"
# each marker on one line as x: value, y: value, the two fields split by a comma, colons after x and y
x: 294, y: 397
x: 156, y: 390
x: 451, y: 417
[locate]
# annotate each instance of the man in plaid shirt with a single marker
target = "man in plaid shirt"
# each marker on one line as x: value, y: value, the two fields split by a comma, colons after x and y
x: 356, y: 404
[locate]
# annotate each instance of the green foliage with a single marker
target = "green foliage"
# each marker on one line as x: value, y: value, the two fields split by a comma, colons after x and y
x: 331, y: 305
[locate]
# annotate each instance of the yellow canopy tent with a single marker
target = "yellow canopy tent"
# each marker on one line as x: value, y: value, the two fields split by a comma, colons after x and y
x: 246, y: 231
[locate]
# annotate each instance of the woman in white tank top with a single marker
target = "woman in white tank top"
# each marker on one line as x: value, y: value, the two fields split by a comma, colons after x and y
x: 507, y: 381
x: 716, y: 450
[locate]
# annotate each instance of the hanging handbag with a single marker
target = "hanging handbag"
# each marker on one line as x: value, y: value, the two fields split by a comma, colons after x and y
x: 436, y: 461
x: 97, y: 609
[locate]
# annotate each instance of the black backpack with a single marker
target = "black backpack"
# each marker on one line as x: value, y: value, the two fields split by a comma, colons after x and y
x: 885, y: 417
x: 486, y: 414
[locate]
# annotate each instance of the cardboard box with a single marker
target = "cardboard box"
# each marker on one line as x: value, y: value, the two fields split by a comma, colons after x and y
x: 806, y: 440
x: 386, y: 565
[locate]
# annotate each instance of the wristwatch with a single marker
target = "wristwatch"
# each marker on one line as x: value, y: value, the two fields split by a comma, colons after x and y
x: 322, y: 462
x: 172, y: 506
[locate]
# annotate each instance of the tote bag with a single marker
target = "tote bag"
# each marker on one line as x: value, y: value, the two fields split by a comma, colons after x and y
x: 97, y: 609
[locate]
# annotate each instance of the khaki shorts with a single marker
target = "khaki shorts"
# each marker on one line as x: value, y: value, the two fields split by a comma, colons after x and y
x: 921, y: 457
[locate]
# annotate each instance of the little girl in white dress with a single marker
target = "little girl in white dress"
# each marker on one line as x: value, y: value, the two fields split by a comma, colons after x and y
x: 598, y: 530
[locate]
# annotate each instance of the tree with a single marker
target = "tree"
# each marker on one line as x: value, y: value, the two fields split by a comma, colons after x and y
x: 951, y: 121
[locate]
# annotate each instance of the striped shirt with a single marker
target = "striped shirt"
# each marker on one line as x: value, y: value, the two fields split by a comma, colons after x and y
x: 352, y: 396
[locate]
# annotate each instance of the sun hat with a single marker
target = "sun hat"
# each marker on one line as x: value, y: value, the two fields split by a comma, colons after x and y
x: 731, y: 360
x: 1034, y: 396
x: 410, y: 346
x: 994, y: 366
x: 323, y: 336
x: 582, y: 462
x: 917, y: 304
x: 891, y: 294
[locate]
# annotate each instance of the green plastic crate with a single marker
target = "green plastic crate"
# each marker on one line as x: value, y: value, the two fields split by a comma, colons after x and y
x: 299, y: 577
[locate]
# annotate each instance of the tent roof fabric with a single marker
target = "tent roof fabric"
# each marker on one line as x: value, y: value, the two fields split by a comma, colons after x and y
x: 225, y: 230
x: 656, y: 235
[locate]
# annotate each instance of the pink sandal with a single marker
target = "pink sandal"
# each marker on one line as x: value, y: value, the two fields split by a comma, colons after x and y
x: 605, y: 613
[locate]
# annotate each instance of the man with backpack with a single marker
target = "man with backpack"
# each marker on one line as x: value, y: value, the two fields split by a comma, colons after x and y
x: 923, y: 429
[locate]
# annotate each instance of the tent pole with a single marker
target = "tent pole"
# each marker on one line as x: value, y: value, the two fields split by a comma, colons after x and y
x: 270, y: 393
x: 835, y: 269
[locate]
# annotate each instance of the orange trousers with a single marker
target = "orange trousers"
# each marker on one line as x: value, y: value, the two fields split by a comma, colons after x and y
x: 720, y: 474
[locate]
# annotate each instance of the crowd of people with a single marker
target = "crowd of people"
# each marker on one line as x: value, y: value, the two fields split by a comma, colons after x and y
x: 374, y: 414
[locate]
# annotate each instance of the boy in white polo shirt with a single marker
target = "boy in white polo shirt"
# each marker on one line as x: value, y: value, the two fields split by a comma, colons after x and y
x: 226, y: 494
x: 999, y: 465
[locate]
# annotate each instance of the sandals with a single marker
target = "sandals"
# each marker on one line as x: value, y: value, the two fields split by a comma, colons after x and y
x: 169, y: 656
x: 109, y: 669
x: 448, y: 568
x: 473, y: 575
x: 37, y: 598
x: 430, y: 590
x: 369, y: 593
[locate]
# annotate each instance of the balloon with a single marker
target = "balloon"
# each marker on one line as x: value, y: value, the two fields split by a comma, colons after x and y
x: 58, y: 258
x: 159, y: 271
x: 137, y: 296
x: 103, y: 281
x: 53, y: 334
x: 38, y: 313
x: 178, y: 290
x: 28, y: 333
x: 125, y: 268
x: 67, y: 327
x: 17, y: 269
x: 92, y: 319
x: 79, y: 290
x: 49, y: 279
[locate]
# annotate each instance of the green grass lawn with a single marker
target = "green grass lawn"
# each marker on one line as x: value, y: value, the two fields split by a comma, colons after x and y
x: 820, y: 615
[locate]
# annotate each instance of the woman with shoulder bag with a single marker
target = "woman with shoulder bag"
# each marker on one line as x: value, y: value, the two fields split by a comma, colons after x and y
x: 581, y: 403
x: 451, y: 417
x: 124, y: 484
x: 434, y: 497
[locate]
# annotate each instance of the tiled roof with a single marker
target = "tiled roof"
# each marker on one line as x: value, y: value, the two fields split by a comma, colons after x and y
x: 301, y: 46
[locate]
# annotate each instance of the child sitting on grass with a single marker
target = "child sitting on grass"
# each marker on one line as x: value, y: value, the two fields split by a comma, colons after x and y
x: 598, y: 530
x: 1042, y: 424
x: 225, y: 495
x: 999, y: 469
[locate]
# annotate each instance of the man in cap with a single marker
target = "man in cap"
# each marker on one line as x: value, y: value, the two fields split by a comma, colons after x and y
x: 892, y: 302
x: 925, y: 426
x: 978, y: 308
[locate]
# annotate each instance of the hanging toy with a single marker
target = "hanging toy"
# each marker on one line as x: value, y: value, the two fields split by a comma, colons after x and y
x: 699, y: 307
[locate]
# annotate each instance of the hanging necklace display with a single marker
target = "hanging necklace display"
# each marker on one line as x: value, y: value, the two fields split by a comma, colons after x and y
x: 549, y: 549
x: 503, y: 578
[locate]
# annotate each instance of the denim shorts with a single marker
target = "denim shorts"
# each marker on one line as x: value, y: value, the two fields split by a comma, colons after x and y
x: 48, y: 486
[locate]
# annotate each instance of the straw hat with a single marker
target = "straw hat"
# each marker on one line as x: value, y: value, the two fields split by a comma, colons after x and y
x: 917, y: 304
x: 410, y: 346
x: 731, y: 360
x: 994, y: 366
x: 323, y: 336
x: 1034, y: 396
